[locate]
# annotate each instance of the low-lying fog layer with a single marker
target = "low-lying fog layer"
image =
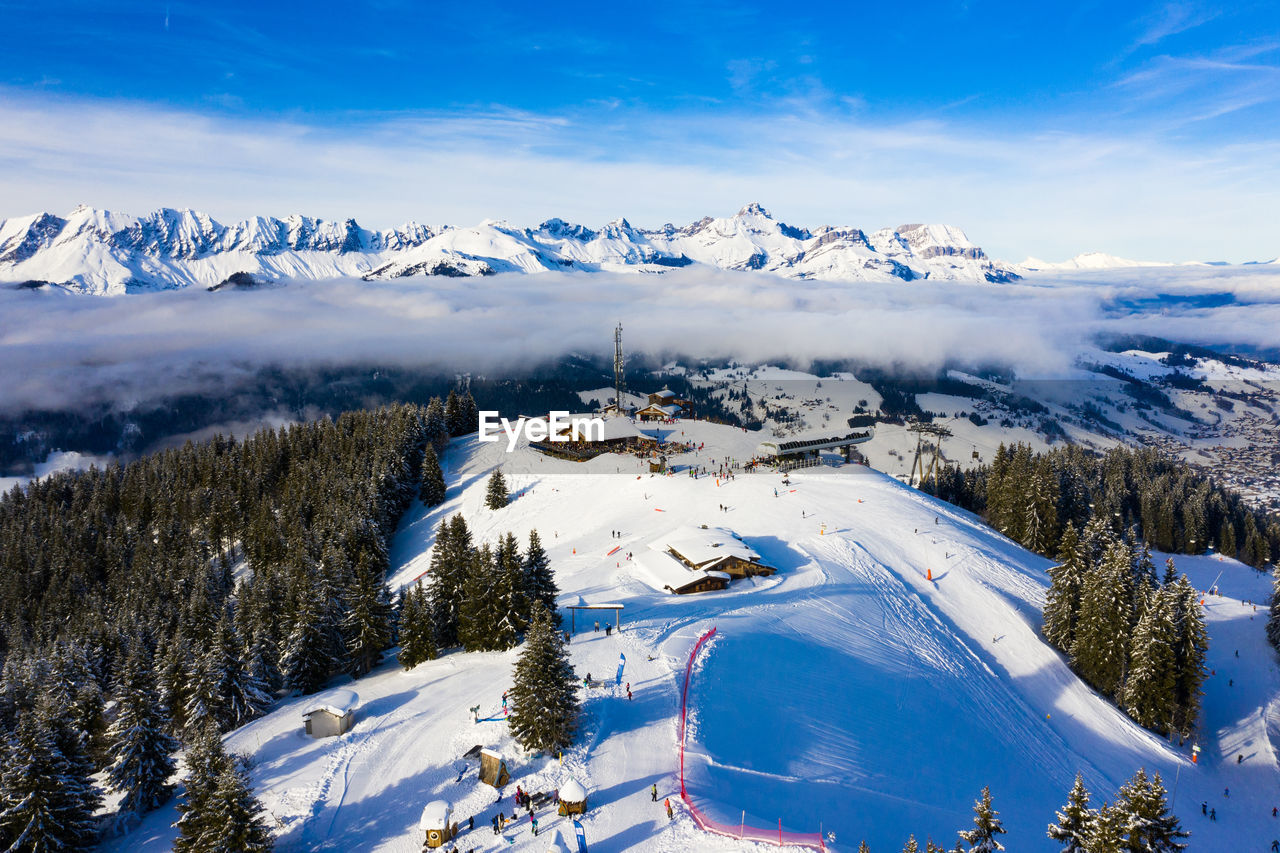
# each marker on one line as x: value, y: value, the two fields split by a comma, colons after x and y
x: 62, y: 351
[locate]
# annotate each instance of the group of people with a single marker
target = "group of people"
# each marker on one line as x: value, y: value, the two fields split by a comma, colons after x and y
x: 653, y: 795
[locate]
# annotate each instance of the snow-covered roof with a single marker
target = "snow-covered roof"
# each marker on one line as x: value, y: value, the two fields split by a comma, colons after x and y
x: 665, y: 394
x: 670, y: 409
x: 705, y: 546
x: 572, y: 792
x: 661, y: 570
x: 435, y: 815
x: 337, y: 702
x: 722, y: 575
x: 491, y: 753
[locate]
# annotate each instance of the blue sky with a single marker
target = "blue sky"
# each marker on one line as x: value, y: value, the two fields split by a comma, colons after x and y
x: 1141, y: 129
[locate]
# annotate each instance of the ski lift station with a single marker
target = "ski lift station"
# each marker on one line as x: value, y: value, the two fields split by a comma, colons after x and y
x: 437, y: 820
x: 331, y: 714
x: 790, y: 450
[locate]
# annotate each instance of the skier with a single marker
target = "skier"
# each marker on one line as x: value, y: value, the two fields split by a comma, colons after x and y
x: 653, y: 793
x: 533, y: 821
x: 670, y: 814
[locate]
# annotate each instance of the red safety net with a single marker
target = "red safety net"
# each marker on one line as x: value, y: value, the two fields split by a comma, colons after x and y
x: 778, y: 836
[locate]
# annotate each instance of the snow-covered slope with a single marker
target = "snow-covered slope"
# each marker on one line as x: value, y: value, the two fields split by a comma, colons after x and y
x: 889, y: 670
x: 96, y: 251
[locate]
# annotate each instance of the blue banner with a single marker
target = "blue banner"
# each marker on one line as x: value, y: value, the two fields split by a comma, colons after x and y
x: 622, y: 662
x: 582, y: 837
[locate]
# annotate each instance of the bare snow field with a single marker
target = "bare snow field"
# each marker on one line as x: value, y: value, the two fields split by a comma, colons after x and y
x: 889, y: 670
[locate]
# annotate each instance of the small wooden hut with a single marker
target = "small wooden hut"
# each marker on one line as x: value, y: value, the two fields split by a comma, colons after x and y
x: 437, y: 820
x: 493, y: 770
x: 332, y: 714
x: 573, y: 798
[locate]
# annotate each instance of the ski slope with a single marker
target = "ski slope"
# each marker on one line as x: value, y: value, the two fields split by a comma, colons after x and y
x: 889, y: 670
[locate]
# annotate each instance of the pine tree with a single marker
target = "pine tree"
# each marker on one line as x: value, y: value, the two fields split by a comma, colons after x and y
x: 1273, y: 620
x: 478, y: 612
x: 238, y: 820
x: 1149, y: 691
x: 512, y: 603
x: 366, y: 627
x: 1074, y: 820
x: 308, y: 658
x: 453, y: 414
x: 1062, y: 602
x: 1101, y: 649
x: 1106, y: 831
x: 417, y: 640
x: 495, y: 496
x: 41, y: 806
x: 141, y: 746
x: 432, y: 491
x: 1149, y: 827
x: 545, y: 690
x: 911, y: 845
x: 434, y: 425
x: 218, y: 811
x: 1190, y: 650
x: 986, y: 826
x: 539, y: 580
x: 863, y: 848
x: 450, y: 564
x: 55, y: 715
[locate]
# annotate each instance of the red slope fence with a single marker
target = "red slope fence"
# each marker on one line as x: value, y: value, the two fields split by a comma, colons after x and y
x: 778, y: 837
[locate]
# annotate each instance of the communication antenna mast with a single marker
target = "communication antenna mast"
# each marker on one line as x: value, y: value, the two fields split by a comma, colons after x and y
x: 619, y: 368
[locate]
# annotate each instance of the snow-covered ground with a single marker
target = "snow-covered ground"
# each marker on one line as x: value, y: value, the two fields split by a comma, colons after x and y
x: 889, y: 670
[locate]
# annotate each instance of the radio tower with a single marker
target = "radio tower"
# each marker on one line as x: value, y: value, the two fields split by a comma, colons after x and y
x: 619, y: 372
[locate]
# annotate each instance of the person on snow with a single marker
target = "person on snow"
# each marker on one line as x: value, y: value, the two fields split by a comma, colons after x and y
x: 1204, y: 807
x: 533, y: 821
x: 653, y: 793
x: 670, y: 814
x: 495, y: 824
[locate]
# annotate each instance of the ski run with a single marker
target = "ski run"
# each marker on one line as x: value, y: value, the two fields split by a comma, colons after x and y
x: 890, y: 669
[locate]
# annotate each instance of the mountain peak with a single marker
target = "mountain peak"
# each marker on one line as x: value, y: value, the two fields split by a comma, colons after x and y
x: 755, y: 209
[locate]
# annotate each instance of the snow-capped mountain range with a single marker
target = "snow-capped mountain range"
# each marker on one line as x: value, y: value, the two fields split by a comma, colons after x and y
x: 100, y: 252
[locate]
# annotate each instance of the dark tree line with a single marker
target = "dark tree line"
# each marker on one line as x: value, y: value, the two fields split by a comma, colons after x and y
x: 481, y: 598
x: 1033, y: 497
x: 1137, y: 638
x: 1138, y: 821
x: 184, y: 591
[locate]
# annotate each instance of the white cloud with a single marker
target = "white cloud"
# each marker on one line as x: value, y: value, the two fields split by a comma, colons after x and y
x: 63, y: 351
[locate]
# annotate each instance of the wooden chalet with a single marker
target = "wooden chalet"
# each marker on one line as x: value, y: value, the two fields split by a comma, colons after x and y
x: 664, y: 572
x: 713, y: 549
x: 664, y: 405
